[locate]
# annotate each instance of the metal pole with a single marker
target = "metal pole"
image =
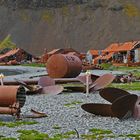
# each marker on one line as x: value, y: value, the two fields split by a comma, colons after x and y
x: 87, y: 82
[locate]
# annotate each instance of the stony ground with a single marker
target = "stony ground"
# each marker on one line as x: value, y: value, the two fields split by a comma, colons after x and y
x: 64, y: 111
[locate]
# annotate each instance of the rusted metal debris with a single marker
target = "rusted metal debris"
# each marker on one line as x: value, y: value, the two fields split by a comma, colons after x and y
x: 126, y: 78
x: 101, y: 82
x: 57, y: 80
x: 46, y: 81
x: 12, y: 99
x: 64, y: 66
x: 38, y: 89
x: 52, y: 90
x: 124, y: 105
x: 94, y: 85
x: 36, y: 114
x: 98, y: 109
x: 111, y: 94
x: 31, y: 89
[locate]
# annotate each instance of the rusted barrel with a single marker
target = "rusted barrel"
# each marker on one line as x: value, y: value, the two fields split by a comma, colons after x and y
x: 12, y: 94
x: 64, y: 66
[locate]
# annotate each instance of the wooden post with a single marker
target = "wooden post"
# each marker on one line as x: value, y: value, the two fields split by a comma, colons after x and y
x: 1, y: 79
x: 87, y: 82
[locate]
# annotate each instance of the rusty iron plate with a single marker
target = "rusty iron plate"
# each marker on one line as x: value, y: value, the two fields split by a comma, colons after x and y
x: 46, y: 81
x: 76, y: 89
x: 136, y: 113
x: 36, y: 91
x: 111, y: 94
x: 98, y: 109
x: 123, y: 106
x: 94, y: 77
x: 102, y: 82
x: 31, y: 89
x: 36, y: 114
x: 24, y: 84
x: 83, y: 79
x: 52, y: 90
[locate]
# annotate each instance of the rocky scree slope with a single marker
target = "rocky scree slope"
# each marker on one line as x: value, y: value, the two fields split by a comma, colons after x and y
x: 80, y: 24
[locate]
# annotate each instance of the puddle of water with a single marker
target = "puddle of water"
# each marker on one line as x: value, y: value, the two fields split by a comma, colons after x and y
x: 8, y: 72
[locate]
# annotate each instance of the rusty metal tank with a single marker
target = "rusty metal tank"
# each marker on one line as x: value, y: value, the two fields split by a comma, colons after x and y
x: 64, y: 66
x: 12, y: 94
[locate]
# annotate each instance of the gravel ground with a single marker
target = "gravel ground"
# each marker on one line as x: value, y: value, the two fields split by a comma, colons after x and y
x: 68, y: 118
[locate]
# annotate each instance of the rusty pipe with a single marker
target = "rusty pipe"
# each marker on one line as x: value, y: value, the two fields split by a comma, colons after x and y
x: 8, y: 110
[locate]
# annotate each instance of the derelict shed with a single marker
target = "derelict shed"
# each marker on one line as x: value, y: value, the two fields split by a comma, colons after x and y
x: 15, y: 54
x: 128, y: 52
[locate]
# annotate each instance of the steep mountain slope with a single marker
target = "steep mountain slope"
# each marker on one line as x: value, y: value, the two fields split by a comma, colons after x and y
x: 94, y: 24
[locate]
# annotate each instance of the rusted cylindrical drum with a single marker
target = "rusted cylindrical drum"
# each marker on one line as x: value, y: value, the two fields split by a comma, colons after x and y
x: 12, y: 94
x: 64, y: 66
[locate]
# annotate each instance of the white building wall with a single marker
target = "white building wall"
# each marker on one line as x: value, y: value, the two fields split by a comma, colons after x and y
x: 137, y: 55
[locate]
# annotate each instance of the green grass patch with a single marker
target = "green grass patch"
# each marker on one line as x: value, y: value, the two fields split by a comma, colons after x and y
x: 7, y: 43
x: 32, y: 135
x: 4, y: 138
x: 124, y: 68
x: 72, y: 104
x: 17, y: 123
x: 56, y: 127
x: 35, y: 135
x: 98, y: 134
x: 132, y: 136
x: 94, y: 133
x: 34, y: 65
x: 48, y: 16
x: 63, y: 136
x: 72, y: 85
x: 131, y: 10
x: 104, y: 134
x: 106, y: 65
x: 100, y: 131
x: 109, y: 66
x: 126, y: 86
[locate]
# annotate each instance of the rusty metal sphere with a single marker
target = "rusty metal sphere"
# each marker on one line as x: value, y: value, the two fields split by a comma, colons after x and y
x: 64, y: 66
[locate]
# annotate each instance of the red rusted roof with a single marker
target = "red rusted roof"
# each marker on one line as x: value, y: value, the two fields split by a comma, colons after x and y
x: 12, y: 52
x: 112, y: 48
x: 54, y: 51
x: 98, y: 57
x: 94, y: 52
x: 117, y: 47
x: 128, y: 46
x: 105, y: 57
x: 108, y: 56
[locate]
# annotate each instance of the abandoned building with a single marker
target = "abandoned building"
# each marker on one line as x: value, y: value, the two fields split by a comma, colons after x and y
x: 120, y: 53
x: 15, y: 54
